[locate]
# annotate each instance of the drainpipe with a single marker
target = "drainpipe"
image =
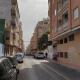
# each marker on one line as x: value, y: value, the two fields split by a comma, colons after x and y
x: 70, y: 15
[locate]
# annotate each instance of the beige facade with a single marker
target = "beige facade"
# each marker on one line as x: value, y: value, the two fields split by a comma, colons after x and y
x: 13, y: 30
x: 65, y: 31
x: 33, y: 43
x: 41, y: 28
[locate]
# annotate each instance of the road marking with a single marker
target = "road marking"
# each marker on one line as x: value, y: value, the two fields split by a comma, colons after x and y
x: 66, y: 78
x: 46, y: 70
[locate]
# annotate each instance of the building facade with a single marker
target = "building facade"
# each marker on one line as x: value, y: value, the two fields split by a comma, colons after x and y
x: 9, y: 11
x: 41, y: 28
x: 65, y: 30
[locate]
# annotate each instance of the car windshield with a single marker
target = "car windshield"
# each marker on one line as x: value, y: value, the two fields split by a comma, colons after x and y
x: 18, y: 56
x: 40, y: 53
x: 13, y: 60
x: 2, y: 72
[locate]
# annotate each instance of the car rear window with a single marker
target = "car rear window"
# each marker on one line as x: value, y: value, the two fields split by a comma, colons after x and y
x: 40, y: 53
x: 7, y: 64
x: 2, y: 71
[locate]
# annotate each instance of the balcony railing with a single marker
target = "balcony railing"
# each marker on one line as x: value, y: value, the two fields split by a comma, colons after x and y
x: 59, y: 28
x: 61, y: 5
x: 13, y: 23
x: 65, y: 25
x: 13, y: 11
x: 14, y: 2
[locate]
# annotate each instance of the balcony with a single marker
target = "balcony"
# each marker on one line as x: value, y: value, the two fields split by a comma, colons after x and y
x: 13, y: 23
x: 65, y: 25
x: 13, y: 12
x: 14, y: 2
x: 65, y: 20
x: 7, y: 37
x: 61, y: 4
x: 59, y: 24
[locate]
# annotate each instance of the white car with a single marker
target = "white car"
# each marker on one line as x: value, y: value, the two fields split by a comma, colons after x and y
x: 39, y: 55
x: 19, y: 58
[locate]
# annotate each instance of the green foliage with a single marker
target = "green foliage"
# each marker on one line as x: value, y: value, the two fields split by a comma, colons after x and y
x: 42, y: 42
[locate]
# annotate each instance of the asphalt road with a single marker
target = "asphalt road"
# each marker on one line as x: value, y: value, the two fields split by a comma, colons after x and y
x: 33, y: 69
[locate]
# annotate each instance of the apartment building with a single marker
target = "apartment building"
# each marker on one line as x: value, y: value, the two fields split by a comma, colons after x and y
x: 33, y: 43
x: 10, y: 13
x: 42, y: 27
x: 65, y: 30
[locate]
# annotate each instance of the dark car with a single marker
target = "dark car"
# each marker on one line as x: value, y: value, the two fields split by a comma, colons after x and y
x: 7, y: 71
x: 14, y: 63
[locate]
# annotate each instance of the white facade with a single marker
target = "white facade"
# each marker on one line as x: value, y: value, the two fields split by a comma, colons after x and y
x: 50, y: 52
x: 1, y: 50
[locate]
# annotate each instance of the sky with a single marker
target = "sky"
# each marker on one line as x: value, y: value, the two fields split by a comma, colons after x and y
x: 31, y: 11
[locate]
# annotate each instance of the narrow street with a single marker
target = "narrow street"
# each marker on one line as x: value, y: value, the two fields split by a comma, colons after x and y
x: 33, y: 69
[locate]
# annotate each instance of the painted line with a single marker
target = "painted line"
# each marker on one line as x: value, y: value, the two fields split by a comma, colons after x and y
x: 66, y: 78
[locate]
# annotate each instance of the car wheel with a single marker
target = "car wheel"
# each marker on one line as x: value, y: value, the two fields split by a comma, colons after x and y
x: 17, y: 71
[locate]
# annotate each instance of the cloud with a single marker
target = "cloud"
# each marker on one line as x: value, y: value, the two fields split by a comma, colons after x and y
x: 31, y: 12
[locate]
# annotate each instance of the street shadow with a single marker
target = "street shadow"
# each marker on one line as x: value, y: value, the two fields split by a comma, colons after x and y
x: 35, y: 72
x: 73, y: 74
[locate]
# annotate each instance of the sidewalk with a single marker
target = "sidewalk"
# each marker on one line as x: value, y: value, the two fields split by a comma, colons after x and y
x: 72, y: 74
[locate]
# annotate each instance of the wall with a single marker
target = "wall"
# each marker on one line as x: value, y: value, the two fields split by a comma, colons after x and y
x: 50, y: 52
x: 73, y: 49
x: 5, y: 8
x: 1, y: 49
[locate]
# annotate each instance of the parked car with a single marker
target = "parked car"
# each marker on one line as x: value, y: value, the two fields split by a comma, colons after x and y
x: 19, y: 53
x: 39, y: 55
x: 14, y: 62
x: 19, y: 58
x: 7, y: 70
x: 28, y: 54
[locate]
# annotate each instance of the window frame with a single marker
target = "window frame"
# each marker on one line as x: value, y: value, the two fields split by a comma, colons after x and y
x: 74, y: 17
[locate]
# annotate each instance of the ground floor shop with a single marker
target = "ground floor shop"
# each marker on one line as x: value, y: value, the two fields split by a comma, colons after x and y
x: 11, y: 50
x: 68, y: 49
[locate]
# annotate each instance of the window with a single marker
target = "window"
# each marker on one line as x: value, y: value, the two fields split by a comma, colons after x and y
x: 58, y: 42
x: 55, y: 12
x: 76, y: 13
x: 65, y: 17
x: 66, y: 55
x: 59, y: 26
x: 64, y: 1
x: 61, y: 41
x: 71, y: 37
x: 65, y: 40
x: 13, y: 23
x: 61, y: 54
x: 59, y: 4
x: 7, y: 38
x: 45, y: 22
x: 58, y: 54
x: 14, y: 36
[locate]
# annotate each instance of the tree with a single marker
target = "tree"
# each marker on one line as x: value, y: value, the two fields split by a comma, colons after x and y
x: 42, y: 42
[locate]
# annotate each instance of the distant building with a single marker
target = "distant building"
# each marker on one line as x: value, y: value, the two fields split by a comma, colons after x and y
x: 65, y: 30
x: 41, y: 28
